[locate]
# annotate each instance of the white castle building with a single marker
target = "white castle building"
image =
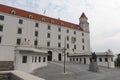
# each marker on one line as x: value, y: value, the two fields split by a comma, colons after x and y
x: 28, y: 40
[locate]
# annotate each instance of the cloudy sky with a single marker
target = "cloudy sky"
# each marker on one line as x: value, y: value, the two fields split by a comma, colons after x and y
x: 103, y: 15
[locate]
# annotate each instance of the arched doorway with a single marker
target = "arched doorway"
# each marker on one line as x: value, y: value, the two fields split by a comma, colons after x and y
x: 49, y: 55
x: 59, y: 57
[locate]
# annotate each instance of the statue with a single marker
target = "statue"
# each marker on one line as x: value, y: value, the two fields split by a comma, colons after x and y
x: 93, y: 63
x: 94, y: 57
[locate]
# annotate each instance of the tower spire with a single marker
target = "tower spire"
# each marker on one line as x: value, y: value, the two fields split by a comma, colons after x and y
x: 83, y: 15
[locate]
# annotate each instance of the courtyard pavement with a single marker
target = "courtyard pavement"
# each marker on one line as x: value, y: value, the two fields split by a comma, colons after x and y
x: 75, y: 71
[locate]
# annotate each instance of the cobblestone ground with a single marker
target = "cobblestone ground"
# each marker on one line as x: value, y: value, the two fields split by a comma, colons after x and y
x: 75, y: 71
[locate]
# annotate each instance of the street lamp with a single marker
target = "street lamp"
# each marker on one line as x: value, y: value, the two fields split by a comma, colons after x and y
x: 64, y: 51
x: 107, y: 54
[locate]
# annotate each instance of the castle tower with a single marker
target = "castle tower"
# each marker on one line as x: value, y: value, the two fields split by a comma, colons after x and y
x: 84, y: 23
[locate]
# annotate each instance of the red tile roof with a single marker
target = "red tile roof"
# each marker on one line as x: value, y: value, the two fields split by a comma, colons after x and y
x: 23, y: 13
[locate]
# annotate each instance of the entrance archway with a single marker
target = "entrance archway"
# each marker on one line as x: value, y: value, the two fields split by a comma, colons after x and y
x: 49, y: 55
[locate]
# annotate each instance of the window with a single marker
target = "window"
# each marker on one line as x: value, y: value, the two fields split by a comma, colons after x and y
x: 82, y: 34
x: 32, y: 58
x: 20, y: 21
x: 36, y: 24
x: 39, y: 59
x: 43, y: 19
x: 74, y: 32
x: 59, y: 45
x: 106, y: 59
x: 74, y: 46
x: 48, y: 44
x: 0, y: 39
x: 19, y: 30
x: 24, y: 59
x: 59, y: 37
x: 35, y: 59
x: 35, y: 42
x: 82, y: 40
x: 52, y: 21
x: 59, y: 29
x: 18, y: 41
x: 76, y: 59
x: 1, y: 17
x: 49, y: 27
x: 68, y: 46
x: 30, y: 16
x: 67, y: 54
x: 100, y: 59
x: 44, y: 59
x: 67, y: 31
x: 48, y: 35
x: 13, y: 12
x: 1, y: 28
x: 73, y: 59
x: 62, y: 24
x: 83, y: 48
x: 36, y: 33
x: 67, y: 38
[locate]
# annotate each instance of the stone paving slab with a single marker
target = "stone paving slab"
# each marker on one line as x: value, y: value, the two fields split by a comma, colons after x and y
x: 75, y: 71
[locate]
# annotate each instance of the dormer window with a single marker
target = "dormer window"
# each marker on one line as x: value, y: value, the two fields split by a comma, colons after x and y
x: 62, y: 24
x: 30, y: 16
x: 52, y: 21
x: 72, y: 26
x: 43, y: 19
x: 13, y: 12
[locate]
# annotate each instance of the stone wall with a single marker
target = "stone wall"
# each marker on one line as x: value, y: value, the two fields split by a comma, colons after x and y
x: 6, y: 65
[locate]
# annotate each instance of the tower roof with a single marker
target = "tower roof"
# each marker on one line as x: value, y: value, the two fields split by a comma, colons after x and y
x: 83, y: 15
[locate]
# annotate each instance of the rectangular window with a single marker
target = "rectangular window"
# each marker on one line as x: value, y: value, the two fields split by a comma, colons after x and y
x: 74, y: 46
x: 19, y: 30
x: 106, y: 59
x: 59, y: 29
x: 48, y: 35
x: 48, y: 44
x: 100, y: 59
x: 83, y: 48
x: 59, y: 37
x: 67, y: 31
x: 44, y: 59
x: 82, y: 40
x: 35, y: 42
x: 67, y: 38
x: 36, y: 33
x: 49, y: 27
x: 68, y: 46
x: 0, y: 39
x: 36, y: 24
x: 74, y: 32
x: 82, y: 34
x: 24, y: 59
x: 18, y: 41
x: 20, y: 21
x: 1, y: 28
x: 35, y: 59
x: 39, y: 59
x: 59, y: 45
x: 1, y: 17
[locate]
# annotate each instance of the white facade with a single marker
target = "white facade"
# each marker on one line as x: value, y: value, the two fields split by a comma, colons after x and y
x: 103, y: 59
x: 44, y: 33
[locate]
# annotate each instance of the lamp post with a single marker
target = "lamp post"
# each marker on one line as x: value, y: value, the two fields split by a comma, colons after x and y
x: 107, y: 54
x: 64, y: 53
